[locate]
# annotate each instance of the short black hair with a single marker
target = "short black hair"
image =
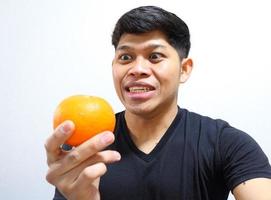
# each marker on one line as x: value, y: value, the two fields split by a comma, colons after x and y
x: 150, y: 18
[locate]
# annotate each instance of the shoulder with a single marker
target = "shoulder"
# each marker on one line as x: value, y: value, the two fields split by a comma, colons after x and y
x: 228, y: 137
x: 204, y: 125
x: 219, y: 127
x: 239, y: 156
x: 203, y: 119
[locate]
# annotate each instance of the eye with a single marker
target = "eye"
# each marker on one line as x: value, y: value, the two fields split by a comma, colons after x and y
x: 125, y: 57
x: 156, y: 57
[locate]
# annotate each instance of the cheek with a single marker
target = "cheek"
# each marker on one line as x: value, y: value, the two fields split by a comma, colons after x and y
x: 168, y: 74
x: 117, y: 78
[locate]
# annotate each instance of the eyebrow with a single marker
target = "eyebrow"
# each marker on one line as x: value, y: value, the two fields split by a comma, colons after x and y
x: 151, y: 46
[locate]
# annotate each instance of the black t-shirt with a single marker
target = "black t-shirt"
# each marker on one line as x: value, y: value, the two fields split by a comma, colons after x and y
x: 198, y: 158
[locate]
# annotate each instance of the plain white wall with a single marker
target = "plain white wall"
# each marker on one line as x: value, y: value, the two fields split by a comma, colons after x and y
x: 53, y: 49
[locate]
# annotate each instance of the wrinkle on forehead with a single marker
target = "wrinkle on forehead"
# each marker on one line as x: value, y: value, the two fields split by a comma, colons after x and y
x: 131, y: 47
x: 153, y: 40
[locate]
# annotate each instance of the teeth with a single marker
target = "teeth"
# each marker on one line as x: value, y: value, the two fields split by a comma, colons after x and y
x: 139, y: 89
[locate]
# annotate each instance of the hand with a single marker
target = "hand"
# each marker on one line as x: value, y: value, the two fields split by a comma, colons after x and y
x: 76, y: 173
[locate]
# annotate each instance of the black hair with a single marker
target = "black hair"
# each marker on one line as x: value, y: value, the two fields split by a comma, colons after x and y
x: 150, y: 18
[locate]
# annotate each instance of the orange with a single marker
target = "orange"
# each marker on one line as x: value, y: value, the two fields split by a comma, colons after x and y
x: 90, y: 114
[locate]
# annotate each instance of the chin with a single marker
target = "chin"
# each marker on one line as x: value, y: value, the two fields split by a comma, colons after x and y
x: 140, y: 110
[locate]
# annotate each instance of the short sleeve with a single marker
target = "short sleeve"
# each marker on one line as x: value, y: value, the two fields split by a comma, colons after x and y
x: 242, y: 158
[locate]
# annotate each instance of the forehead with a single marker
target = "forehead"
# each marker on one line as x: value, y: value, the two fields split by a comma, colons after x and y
x: 152, y: 39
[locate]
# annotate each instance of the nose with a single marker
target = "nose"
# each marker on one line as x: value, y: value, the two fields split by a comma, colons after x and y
x: 140, y: 68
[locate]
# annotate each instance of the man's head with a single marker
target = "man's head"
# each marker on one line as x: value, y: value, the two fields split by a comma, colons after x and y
x: 150, y: 62
x: 150, y: 18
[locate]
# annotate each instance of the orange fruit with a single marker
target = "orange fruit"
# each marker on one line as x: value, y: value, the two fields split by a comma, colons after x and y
x: 90, y: 114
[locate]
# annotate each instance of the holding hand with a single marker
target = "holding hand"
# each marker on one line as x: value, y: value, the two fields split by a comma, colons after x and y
x: 76, y: 173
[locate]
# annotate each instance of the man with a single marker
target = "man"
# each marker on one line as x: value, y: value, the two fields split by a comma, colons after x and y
x: 158, y: 150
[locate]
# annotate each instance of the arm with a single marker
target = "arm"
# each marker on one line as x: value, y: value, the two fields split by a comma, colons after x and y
x: 76, y: 173
x: 246, y: 169
x: 254, y: 189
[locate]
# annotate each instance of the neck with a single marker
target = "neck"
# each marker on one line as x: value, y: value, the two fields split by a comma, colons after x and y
x: 146, y: 132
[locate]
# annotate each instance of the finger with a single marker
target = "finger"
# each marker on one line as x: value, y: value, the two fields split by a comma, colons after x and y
x: 105, y: 157
x: 86, y: 185
x: 57, y: 173
x: 77, y: 155
x: 89, y: 175
x: 86, y: 150
x: 59, y: 136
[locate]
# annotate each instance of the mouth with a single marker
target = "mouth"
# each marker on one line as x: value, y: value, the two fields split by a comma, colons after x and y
x: 139, y: 88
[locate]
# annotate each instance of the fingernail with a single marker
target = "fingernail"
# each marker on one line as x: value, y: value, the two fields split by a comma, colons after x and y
x: 106, y: 138
x: 66, y: 128
x: 117, y: 155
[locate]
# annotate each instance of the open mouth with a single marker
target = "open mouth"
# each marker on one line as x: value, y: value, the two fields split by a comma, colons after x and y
x: 139, y: 89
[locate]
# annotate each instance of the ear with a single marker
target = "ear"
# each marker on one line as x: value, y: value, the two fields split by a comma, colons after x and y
x: 186, y: 69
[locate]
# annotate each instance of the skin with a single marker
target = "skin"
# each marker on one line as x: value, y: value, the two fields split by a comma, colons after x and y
x: 148, y: 61
x: 254, y: 189
x: 77, y: 173
x: 152, y: 69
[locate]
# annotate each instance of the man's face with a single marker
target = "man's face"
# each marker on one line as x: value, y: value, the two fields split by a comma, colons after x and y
x: 146, y: 73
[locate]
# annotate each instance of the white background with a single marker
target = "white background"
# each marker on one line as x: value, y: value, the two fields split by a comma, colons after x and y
x: 55, y: 48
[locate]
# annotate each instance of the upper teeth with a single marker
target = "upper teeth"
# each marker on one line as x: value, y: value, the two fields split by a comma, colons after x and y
x: 139, y: 89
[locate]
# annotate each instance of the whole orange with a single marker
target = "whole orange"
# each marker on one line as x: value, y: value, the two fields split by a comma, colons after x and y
x: 90, y: 114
